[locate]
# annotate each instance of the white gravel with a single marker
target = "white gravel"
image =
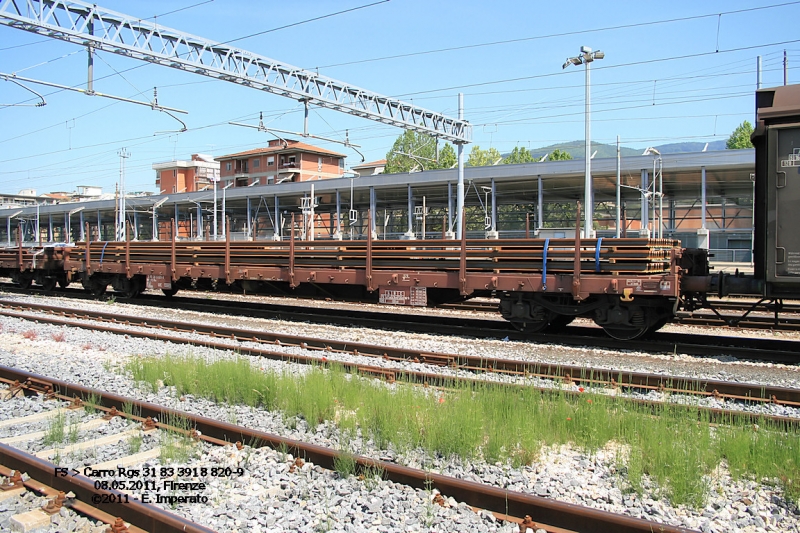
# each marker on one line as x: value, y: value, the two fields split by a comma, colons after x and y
x: 317, y: 498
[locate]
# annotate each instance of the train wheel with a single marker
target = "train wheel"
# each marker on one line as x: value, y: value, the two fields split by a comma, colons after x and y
x: 133, y: 292
x: 48, y: 284
x: 561, y: 321
x: 625, y: 333
x: 63, y: 283
x: 169, y: 293
x: 23, y: 282
x: 133, y: 288
x: 530, y: 326
x: 98, y: 288
x: 658, y: 325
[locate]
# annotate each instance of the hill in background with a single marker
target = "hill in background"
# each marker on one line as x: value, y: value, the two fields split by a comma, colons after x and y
x: 576, y: 149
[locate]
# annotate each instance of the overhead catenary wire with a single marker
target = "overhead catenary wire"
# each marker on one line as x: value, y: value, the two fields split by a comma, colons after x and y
x: 488, y: 118
x: 604, y: 67
x: 561, y: 34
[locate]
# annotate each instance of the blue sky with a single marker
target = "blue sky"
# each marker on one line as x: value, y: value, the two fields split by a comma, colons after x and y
x: 673, y: 71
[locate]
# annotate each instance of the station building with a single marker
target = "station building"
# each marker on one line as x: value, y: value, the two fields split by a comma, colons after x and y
x: 703, y: 199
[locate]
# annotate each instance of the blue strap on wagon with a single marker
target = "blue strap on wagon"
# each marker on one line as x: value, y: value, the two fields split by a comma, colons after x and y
x: 544, y: 264
x: 102, y: 253
x: 597, y: 255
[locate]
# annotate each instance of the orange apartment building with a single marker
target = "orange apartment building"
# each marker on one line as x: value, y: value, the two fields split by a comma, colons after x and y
x: 281, y: 162
x: 187, y: 176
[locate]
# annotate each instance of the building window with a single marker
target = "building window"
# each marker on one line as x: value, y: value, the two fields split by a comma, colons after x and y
x: 256, y: 163
x: 270, y: 180
x: 270, y: 161
x: 319, y: 164
x: 228, y: 165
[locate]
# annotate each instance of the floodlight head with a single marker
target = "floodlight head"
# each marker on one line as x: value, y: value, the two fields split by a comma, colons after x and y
x: 586, y: 50
x: 599, y: 55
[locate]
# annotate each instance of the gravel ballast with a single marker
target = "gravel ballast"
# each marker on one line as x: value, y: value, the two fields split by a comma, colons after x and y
x: 269, y: 498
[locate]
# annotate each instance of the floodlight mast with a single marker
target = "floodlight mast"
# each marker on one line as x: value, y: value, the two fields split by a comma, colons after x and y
x: 586, y: 57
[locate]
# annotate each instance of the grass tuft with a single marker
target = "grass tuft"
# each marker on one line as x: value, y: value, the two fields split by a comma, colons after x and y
x: 135, y: 443
x: 56, y: 428
x: 345, y: 464
x: 176, y: 445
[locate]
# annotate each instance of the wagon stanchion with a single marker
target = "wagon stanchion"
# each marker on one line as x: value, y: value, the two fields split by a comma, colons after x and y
x: 173, y: 265
x: 228, y: 279
x: 127, y: 251
x: 462, y: 256
x: 292, y: 283
x: 19, y: 247
x: 368, y: 265
x: 576, y: 268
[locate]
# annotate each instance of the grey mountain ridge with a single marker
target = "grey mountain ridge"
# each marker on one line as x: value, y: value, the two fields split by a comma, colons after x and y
x: 576, y: 149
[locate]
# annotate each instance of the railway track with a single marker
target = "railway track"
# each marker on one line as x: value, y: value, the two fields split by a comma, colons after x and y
x: 382, y: 361
x: 68, y: 489
x: 783, y: 318
x: 527, y: 510
x: 756, y: 349
x: 735, y: 305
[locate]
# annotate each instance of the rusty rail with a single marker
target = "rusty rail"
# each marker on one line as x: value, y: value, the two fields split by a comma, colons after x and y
x: 145, y: 516
x: 578, y: 374
x: 543, y: 510
x: 721, y: 415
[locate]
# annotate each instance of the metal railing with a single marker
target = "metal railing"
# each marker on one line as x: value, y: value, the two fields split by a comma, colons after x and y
x: 730, y: 255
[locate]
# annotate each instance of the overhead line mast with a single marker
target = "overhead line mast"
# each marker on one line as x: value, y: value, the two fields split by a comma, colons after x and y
x: 89, y: 25
x: 96, y: 28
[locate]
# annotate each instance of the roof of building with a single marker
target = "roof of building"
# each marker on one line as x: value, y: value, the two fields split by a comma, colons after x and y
x: 291, y: 146
x: 378, y: 163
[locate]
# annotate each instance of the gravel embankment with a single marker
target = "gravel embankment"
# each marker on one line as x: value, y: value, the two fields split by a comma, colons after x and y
x: 269, y: 498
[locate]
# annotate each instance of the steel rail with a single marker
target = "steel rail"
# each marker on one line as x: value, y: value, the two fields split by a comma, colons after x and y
x: 572, y: 373
x: 76, y: 505
x: 146, y: 516
x: 392, y: 374
x: 543, y: 510
x: 760, y: 349
x: 750, y: 322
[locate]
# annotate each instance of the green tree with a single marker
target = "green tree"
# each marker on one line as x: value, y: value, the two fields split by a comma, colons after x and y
x: 423, y: 153
x: 740, y: 138
x: 560, y: 155
x: 519, y: 154
x: 483, y: 158
x: 447, y: 157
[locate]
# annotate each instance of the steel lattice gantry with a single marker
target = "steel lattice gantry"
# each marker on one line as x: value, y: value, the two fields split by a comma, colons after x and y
x: 89, y: 25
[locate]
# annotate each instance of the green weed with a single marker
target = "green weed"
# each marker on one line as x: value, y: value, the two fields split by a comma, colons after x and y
x: 74, y: 431
x: 670, y: 447
x: 91, y: 401
x: 176, y: 445
x: 56, y: 428
x: 135, y: 443
x: 345, y: 464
